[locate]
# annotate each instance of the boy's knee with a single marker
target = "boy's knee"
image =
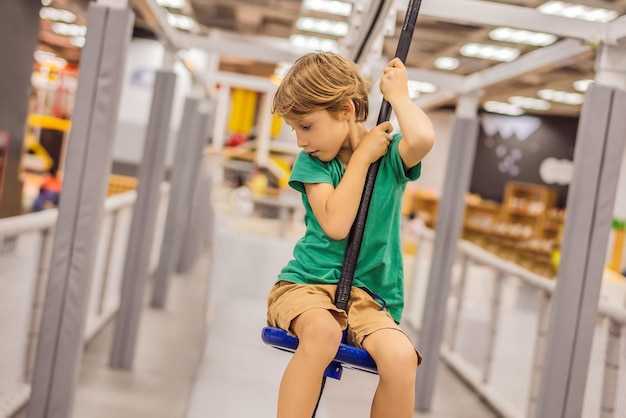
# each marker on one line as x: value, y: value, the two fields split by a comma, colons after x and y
x: 320, y: 333
x: 398, y: 361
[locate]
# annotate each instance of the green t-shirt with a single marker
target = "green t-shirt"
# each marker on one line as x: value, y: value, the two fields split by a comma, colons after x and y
x: 318, y: 259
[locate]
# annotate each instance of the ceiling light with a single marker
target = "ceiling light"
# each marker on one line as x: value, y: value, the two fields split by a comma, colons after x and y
x: 78, y: 41
x: 559, y: 96
x: 59, y: 15
x: 583, y: 85
x: 49, y: 59
x: 503, y: 108
x: 68, y: 29
x: 334, y: 7
x: 530, y: 103
x: 519, y: 36
x: 578, y: 11
x: 314, y: 43
x: 181, y: 21
x: 417, y: 87
x: 172, y: 4
x: 446, y: 63
x: 489, y: 52
x: 325, y: 26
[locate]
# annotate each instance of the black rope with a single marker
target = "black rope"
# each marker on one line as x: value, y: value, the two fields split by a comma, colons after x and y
x: 358, y: 227
x: 319, y: 397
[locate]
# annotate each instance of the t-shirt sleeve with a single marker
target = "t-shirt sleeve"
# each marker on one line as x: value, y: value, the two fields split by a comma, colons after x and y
x: 308, y: 169
x: 397, y: 165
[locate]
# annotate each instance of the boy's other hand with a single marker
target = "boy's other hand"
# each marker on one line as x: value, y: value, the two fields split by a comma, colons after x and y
x: 376, y: 143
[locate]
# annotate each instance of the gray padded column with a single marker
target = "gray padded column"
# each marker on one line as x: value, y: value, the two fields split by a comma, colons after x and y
x: 143, y: 221
x: 448, y: 230
x: 196, y: 192
x: 88, y: 163
x: 199, y: 221
x: 597, y: 160
x: 19, y: 32
x: 192, y: 136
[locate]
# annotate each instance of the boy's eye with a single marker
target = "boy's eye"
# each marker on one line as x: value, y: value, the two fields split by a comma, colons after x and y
x: 306, y: 127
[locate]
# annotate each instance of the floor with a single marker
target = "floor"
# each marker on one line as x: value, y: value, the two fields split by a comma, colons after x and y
x: 196, y: 359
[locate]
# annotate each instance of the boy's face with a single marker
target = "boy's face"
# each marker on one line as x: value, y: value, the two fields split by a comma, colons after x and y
x: 320, y: 133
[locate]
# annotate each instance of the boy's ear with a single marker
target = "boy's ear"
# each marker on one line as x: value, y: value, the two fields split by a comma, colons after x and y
x: 348, y: 109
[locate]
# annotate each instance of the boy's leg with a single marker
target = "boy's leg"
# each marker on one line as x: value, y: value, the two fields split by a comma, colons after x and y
x: 397, y: 361
x: 320, y: 335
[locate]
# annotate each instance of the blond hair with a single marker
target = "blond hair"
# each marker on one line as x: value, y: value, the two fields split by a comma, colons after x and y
x: 321, y: 81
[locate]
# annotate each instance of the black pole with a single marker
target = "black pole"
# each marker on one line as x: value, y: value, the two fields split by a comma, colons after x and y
x: 358, y: 227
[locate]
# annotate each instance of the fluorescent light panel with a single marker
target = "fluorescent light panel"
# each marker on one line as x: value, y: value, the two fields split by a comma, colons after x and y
x: 447, y: 63
x: 583, y: 85
x: 172, y: 4
x: 48, y: 58
x: 68, y: 29
x: 520, y: 36
x: 578, y: 11
x: 78, y: 41
x: 325, y: 26
x: 559, y: 96
x: 489, y: 52
x: 417, y: 87
x: 313, y: 42
x: 502, y: 108
x: 530, y: 103
x: 180, y: 21
x: 333, y: 7
x: 58, y: 15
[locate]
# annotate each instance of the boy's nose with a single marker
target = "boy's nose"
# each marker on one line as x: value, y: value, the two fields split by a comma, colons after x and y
x: 301, y: 143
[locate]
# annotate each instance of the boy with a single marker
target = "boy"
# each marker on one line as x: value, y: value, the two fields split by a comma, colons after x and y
x: 324, y: 99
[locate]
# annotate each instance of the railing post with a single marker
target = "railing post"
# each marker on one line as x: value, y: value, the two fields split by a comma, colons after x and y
x: 107, y: 263
x: 493, y: 323
x: 454, y: 331
x: 611, y: 369
x: 540, y: 347
x: 45, y: 251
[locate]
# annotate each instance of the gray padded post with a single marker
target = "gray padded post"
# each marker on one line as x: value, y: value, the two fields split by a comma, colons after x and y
x: 88, y: 163
x: 143, y: 222
x: 597, y: 159
x: 448, y: 230
x: 188, y: 150
x: 192, y: 221
x: 199, y: 220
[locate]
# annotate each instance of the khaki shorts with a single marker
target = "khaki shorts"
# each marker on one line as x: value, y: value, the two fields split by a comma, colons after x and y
x: 286, y: 301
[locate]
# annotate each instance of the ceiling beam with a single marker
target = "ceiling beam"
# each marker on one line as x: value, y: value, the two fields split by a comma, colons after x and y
x: 451, y: 81
x: 485, y: 13
x: 616, y: 30
x: 531, y: 61
x: 156, y: 19
x: 253, y: 47
x: 366, y: 28
x: 435, y: 100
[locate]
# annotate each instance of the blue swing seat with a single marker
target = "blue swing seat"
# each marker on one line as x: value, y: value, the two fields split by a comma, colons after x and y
x: 347, y: 356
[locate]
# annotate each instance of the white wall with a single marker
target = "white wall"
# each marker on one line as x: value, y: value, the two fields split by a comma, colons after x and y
x: 144, y: 58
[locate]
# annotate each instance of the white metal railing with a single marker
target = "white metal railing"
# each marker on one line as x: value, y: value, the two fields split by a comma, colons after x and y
x: 23, y: 278
x: 500, y: 354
